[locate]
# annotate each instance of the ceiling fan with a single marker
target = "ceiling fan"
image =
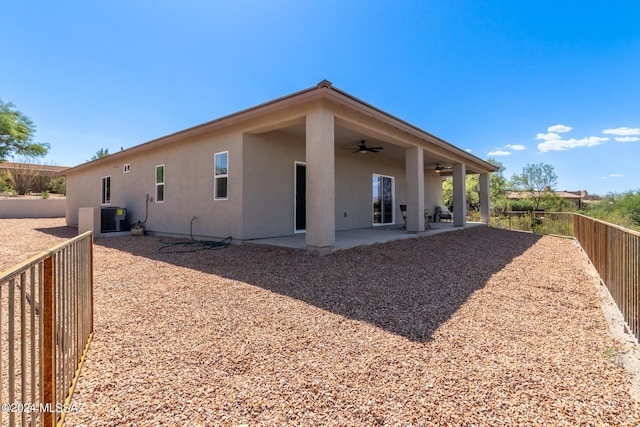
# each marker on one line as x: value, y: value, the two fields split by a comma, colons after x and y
x: 439, y: 168
x: 363, y: 149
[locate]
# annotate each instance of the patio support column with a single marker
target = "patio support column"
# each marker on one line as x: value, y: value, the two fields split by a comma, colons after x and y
x: 414, y: 169
x: 459, y: 195
x: 485, y: 199
x: 320, y: 182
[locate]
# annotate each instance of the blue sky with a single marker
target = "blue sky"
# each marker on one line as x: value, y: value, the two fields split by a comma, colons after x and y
x: 556, y: 82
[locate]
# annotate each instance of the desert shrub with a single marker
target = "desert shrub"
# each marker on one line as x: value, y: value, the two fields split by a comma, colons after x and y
x: 473, y: 215
x: 23, y: 180
x: 5, y: 184
x: 521, y: 205
x: 622, y: 209
x: 58, y: 185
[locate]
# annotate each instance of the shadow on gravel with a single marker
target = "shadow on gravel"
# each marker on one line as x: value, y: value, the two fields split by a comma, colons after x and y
x: 62, y: 232
x: 407, y: 287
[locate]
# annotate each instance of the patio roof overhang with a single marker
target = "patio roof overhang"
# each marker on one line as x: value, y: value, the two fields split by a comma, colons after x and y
x: 354, y: 120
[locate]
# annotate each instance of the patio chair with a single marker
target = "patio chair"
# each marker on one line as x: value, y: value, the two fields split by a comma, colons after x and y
x: 427, y: 217
x: 442, y: 212
x: 427, y: 220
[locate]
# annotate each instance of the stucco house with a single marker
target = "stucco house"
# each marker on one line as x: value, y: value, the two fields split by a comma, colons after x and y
x: 316, y: 161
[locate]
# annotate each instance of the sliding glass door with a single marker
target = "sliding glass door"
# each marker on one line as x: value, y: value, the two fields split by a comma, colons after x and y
x: 383, y: 189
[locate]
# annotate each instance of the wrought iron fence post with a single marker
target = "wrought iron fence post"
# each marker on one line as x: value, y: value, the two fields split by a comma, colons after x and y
x: 532, y: 215
x: 48, y: 362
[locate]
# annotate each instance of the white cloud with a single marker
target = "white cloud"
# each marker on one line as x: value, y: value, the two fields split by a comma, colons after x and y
x: 559, y: 128
x: 516, y: 147
x: 548, y: 136
x: 623, y: 131
x: 627, y: 138
x: 468, y: 150
x: 561, y: 144
x: 612, y: 175
x: 499, y: 152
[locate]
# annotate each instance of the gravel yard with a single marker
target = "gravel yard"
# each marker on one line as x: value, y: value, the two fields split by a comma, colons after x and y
x: 474, y: 327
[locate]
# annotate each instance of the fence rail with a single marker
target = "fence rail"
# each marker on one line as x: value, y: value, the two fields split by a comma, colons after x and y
x: 614, y: 251
x: 558, y: 223
x: 46, y: 324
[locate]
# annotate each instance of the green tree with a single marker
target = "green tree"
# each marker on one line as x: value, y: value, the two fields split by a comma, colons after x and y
x: 622, y: 209
x: 16, y: 134
x: 58, y: 185
x: 497, y: 188
x: 103, y: 152
x: 537, y: 181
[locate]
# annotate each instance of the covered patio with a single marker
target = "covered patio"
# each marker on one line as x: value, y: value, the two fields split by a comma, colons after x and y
x: 355, y: 161
x: 347, y: 239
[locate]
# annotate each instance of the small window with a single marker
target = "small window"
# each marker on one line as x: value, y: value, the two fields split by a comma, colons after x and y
x: 126, y: 168
x: 159, y: 183
x: 106, y: 190
x: 221, y: 177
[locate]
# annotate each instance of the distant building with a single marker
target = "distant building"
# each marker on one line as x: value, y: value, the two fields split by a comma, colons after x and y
x: 579, y: 198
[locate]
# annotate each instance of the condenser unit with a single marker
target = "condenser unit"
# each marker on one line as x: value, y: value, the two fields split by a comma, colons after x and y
x: 113, y: 219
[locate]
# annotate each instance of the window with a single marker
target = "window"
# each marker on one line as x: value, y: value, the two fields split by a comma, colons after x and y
x: 106, y: 190
x: 221, y: 176
x: 383, y: 189
x: 126, y: 168
x: 160, y: 184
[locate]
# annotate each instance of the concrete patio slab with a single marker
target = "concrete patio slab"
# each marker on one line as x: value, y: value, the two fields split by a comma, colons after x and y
x: 348, y: 239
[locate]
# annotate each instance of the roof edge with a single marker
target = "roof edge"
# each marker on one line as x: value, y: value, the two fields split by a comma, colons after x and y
x: 324, y: 87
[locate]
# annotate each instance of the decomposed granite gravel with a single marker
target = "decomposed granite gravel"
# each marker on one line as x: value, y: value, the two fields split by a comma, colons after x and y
x: 478, y: 327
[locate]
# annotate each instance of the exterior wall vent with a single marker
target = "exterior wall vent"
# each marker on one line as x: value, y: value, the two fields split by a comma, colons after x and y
x: 325, y: 83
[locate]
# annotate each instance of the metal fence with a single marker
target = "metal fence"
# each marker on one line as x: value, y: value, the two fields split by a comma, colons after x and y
x: 46, y: 324
x: 556, y: 223
x: 615, y: 253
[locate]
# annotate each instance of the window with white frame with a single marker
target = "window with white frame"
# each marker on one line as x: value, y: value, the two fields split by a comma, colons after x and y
x: 221, y: 176
x: 106, y: 190
x: 126, y: 168
x: 160, y: 184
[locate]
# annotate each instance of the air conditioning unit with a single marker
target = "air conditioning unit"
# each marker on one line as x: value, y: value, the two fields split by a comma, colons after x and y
x: 113, y: 219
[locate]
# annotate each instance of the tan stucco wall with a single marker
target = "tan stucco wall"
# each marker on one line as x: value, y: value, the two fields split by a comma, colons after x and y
x: 269, y: 183
x: 354, y: 181
x: 260, y: 203
x: 432, y: 190
x: 188, y: 188
x: 36, y: 208
x: 261, y: 181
